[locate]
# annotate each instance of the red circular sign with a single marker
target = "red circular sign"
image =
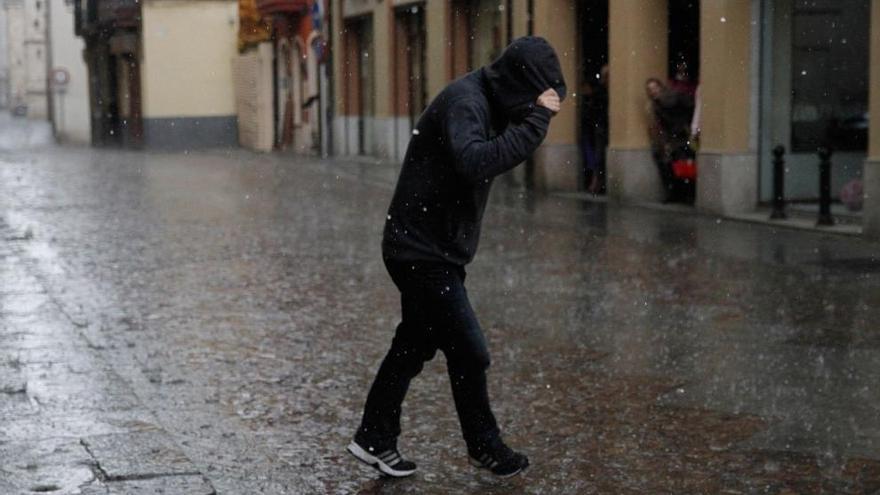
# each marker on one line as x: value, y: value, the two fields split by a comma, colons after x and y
x: 60, y: 76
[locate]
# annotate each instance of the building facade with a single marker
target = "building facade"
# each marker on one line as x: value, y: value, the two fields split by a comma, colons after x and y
x: 111, y: 30
x: 4, y: 58
x: 188, y: 92
x: 796, y: 73
x: 27, y: 57
x: 36, y: 57
x: 161, y: 71
x: 788, y: 72
x: 392, y: 57
x: 68, y: 78
x: 298, y: 41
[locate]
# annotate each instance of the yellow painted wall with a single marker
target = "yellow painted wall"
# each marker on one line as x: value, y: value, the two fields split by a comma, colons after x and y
x: 556, y: 21
x: 520, y: 18
x: 437, y: 51
x: 338, y: 57
x: 637, y: 50
x: 725, y: 70
x: 187, y: 53
x: 383, y: 48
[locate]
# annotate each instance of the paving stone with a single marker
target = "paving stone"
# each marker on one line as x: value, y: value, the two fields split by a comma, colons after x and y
x: 167, y: 485
x: 17, y: 279
x: 75, y: 424
x: 18, y: 405
x: 12, y: 382
x: 45, y: 466
x: 135, y: 455
x: 23, y: 304
x: 78, y: 385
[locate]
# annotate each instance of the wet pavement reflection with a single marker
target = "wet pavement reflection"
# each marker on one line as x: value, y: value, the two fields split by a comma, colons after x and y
x: 210, y: 321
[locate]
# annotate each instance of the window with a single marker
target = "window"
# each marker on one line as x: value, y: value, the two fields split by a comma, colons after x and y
x: 829, y: 75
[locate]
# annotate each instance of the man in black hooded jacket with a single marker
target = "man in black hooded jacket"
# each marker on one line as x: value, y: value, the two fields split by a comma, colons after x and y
x: 478, y: 127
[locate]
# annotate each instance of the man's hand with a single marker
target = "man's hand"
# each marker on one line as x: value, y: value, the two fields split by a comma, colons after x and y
x: 550, y: 100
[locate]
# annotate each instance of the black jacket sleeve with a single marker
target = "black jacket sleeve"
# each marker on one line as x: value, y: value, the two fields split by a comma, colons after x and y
x: 475, y: 156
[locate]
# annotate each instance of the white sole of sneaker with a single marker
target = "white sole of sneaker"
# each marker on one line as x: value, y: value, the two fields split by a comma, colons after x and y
x: 477, y: 464
x: 374, y: 462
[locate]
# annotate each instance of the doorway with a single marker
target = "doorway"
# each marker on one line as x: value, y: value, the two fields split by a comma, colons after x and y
x: 684, y: 42
x: 358, y: 85
x: 592, y: 93
x: 115, y: 92
x: 478, y: 34
x: 410, y: 88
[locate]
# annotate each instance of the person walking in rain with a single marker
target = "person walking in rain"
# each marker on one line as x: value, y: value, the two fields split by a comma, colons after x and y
x: 479, y: 126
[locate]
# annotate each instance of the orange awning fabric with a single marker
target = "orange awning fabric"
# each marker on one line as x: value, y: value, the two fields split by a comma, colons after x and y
x: 253, y: 28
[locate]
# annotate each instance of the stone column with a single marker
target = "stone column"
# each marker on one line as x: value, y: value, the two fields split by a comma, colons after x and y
x: 383, y: 75
x: 520, y: 19
x: 728, y: 166
x: 338, y: 58
x: 557, y: 161
x: 637, y: 50
x: 871, y: 220
x: 437, y: 56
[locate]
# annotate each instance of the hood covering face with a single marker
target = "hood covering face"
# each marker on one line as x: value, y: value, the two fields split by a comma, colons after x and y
x: 528, y: 67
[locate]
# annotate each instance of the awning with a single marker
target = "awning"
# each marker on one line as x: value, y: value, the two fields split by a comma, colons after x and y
x: 270, y: 7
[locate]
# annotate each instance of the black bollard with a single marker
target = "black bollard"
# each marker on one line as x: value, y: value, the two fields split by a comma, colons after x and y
x: 778, y: 183
x: 825, y: 217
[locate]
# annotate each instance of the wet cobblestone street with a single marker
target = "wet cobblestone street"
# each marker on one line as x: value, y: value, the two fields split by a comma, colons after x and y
x: 209, y: 322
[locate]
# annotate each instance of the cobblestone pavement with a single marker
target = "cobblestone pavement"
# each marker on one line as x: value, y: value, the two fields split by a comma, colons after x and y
x: 210, y: 322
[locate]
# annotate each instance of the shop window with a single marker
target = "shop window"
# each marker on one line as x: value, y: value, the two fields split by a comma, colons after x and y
x: 829, y: 75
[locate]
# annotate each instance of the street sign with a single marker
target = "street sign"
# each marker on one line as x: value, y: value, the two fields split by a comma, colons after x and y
x: 60, y: 77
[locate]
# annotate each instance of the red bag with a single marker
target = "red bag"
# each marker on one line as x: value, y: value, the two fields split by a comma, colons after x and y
x: 685, y: 168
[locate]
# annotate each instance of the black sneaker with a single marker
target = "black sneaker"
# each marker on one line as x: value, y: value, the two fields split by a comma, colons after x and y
x: 388, y: 462
x: 499, y: 459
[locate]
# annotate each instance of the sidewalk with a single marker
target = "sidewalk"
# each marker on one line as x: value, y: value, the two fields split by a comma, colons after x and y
x: 20, y: 133
x: 68, y: 422
x: 800, y: 217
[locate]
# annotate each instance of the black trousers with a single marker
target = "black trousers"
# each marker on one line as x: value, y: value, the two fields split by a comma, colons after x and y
x: 436, y: 314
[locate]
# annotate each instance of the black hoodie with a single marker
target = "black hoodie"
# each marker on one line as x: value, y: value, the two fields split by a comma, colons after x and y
x: 478, y: 127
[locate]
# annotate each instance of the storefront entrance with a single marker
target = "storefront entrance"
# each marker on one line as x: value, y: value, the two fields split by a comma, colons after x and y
x: 814, y: 92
